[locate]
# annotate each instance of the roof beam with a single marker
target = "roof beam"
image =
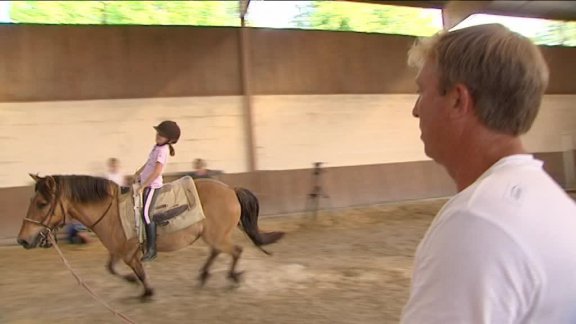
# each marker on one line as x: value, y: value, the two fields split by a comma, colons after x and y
x: 555, y: 10
x: 414, y: 3
x: 455, y: 11
x: 244, y: 4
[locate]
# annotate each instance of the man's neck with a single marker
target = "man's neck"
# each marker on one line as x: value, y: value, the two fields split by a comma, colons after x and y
x: 478, y: 153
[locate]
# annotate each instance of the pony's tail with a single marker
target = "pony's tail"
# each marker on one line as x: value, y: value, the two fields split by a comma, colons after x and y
x: 249, y: 220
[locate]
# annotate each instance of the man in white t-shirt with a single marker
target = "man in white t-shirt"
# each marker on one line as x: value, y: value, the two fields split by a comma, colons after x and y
x: 503, y: 250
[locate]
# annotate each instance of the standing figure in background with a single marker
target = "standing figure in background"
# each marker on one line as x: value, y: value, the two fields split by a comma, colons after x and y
x: 201, y: 171
x: 114, y: 173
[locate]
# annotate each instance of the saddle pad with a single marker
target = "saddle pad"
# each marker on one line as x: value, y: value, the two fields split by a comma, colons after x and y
x: 175, y: 206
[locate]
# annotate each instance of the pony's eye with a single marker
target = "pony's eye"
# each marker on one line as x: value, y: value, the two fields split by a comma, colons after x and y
x: 41, y: 204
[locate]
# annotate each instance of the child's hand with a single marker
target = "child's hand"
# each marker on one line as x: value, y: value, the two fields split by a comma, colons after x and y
x: 138, y: 189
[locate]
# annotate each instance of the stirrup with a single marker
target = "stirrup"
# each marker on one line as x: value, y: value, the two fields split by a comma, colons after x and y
x: 148, y: 257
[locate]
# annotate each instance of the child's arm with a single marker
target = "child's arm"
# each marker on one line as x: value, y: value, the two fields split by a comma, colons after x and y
x: 137, y: 173
x: 155, y: 174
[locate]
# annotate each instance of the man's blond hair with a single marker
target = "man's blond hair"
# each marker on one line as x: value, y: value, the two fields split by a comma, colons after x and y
x: 505, y: 72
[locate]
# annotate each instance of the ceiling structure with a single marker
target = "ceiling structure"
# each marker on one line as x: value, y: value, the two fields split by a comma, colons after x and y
x: 456, y: 11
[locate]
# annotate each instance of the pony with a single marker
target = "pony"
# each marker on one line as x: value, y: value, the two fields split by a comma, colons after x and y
x: 93, y: 201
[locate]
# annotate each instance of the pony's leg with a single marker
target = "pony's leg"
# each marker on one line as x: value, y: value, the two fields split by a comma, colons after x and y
x: 111, y: 266
x: 205, y: 272
x: 134, y: 263
x: 225, y: 246
x: 233, y: 274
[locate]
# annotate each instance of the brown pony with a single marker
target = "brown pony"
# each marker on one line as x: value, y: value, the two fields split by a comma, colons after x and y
x: 94, y: 202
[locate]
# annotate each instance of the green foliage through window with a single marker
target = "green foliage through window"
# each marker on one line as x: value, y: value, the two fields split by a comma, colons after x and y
x: 197, y: 13
x: 318, y: 15
x: 541, y: 31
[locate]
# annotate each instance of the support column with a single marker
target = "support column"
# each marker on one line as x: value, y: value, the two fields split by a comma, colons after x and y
x: 246, y: 77
x: 568, y: 159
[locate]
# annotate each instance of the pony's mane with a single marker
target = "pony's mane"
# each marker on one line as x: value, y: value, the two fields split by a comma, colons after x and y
x: 78, y: 188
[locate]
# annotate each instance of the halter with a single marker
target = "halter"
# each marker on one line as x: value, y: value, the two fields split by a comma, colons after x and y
x: 46, y: 219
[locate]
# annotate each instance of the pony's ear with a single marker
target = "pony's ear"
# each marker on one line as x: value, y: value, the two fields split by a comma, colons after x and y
x: 51, y: 184
x: 34, y: 177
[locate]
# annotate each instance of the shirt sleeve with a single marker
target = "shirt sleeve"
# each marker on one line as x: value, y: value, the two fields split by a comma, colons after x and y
x: 162, y: 154
x: 470, y: 271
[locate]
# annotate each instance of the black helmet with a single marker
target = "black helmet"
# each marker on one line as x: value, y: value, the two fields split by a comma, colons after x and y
x: 170, y: 130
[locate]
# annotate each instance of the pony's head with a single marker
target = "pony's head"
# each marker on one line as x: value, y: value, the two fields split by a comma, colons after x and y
x: 55, y: 198
x: 45, y: 213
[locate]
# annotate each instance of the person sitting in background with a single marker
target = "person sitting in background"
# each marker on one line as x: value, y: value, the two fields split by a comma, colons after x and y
x: 77, y: 233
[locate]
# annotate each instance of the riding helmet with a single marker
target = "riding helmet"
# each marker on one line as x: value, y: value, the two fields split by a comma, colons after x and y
x: 170, y: 130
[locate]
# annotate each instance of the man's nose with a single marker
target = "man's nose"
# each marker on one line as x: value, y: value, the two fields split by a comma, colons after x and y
x: 415, y: 109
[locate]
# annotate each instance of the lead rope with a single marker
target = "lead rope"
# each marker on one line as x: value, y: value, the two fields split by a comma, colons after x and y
x: 82, y: 283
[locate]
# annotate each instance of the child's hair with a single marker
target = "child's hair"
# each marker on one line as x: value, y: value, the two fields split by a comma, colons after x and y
x: 172, y: 152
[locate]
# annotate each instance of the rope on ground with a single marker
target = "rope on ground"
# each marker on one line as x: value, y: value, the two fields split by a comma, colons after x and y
x: 82, y: 283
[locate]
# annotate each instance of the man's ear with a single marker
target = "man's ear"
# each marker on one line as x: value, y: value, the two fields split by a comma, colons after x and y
x: 461, y: 100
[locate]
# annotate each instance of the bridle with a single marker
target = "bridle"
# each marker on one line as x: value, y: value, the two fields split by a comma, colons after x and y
x: 48, y: 216
x: 57, y: 202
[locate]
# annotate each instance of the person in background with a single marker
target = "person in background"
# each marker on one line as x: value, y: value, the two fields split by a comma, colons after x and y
x: 201, y: 171
x: 77, y: 233
x: 114, y: 172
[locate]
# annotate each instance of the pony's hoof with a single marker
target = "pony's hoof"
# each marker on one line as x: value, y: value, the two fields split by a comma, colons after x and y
x: 147, y: 295
x: 235, y: 276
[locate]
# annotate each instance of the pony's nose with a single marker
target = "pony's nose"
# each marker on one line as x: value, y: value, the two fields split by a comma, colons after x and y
x: 24, y: 243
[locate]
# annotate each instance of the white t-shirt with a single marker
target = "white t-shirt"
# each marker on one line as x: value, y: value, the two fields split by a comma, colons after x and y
x: 501, y: 251
x: 117, y: 178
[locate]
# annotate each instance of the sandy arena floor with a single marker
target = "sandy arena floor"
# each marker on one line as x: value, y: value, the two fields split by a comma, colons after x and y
x: 347, y: 266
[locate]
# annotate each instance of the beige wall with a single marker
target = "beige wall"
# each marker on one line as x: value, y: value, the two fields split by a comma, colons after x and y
x: 556, y: 118
x: 292, y: 132
x: 78, y: 136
